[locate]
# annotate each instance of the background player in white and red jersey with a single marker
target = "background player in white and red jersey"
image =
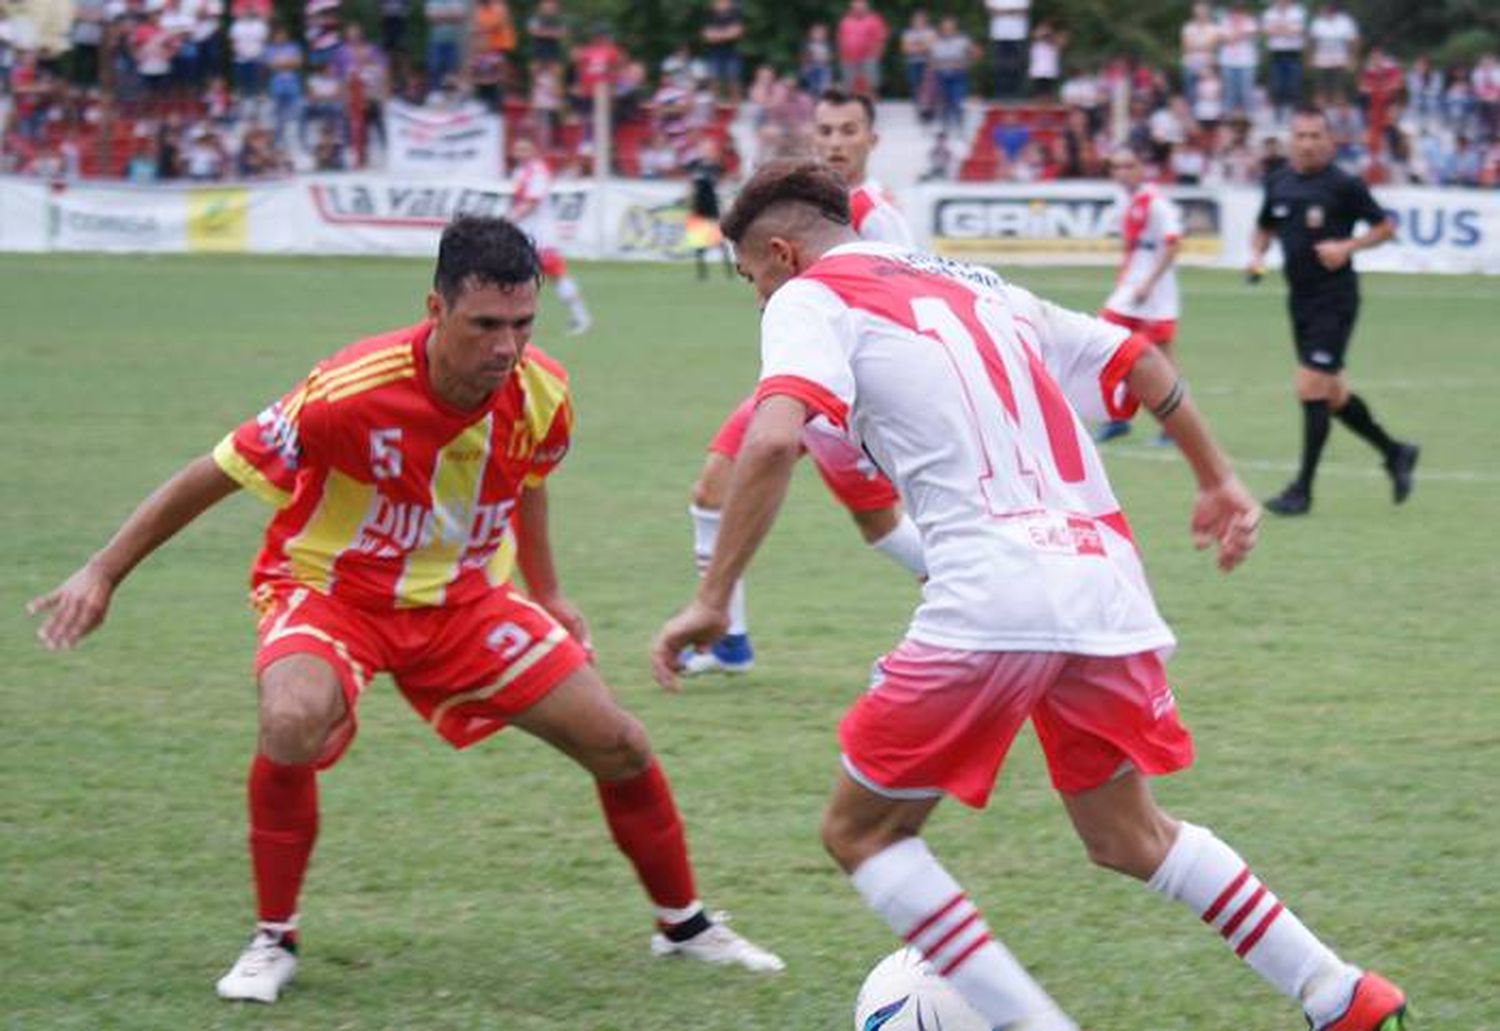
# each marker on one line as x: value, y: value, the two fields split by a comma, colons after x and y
x: 843, y: 137
x: 1145, y: 298
x: 531, y: 209
x: 1036, y: 606
x: 405, y: 472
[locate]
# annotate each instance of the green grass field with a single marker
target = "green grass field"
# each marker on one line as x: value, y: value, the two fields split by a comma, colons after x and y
x: 1342, y: 687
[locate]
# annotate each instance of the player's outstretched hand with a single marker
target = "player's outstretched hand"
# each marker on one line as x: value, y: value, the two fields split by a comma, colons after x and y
x: 72, y: 610
x: 697, y: 625
x: 1228, y: 516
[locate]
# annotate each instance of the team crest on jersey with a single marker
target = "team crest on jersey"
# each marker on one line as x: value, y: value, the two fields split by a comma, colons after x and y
x: 1315, y: 217
x: 279, y: 434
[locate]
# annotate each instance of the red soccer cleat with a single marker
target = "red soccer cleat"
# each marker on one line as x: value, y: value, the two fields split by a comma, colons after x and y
x: 1377, y: 1005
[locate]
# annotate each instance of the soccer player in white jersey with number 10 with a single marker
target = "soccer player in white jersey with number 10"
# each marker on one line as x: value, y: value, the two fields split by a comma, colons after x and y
x: 1036, y: 605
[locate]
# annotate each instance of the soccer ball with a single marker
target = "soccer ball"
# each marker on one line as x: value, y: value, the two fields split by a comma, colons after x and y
x: 904, y: 993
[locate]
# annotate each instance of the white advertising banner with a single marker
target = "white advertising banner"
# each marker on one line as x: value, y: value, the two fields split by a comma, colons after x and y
x: 116, y: 218
x: 23, y: 215
x: 647, y: 220
x: 461, y: 143
x: 1439, y: 230
x: 366, y: 214
x: 1063, y: 223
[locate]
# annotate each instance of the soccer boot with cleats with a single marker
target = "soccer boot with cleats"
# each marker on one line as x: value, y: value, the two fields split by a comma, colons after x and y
x: 1294, y: 501
x: 266, y: 966
x: 1402, y: 466
x: 717, y: 945
x: 1377, y: 1005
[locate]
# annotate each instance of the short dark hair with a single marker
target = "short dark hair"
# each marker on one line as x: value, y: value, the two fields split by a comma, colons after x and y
x: 486, y: 251
x: 811, y: 184
x: 1310, y: 111
x: 834, y: 95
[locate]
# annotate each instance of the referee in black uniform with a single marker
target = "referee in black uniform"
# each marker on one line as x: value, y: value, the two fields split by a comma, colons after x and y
x: 1311, y: 206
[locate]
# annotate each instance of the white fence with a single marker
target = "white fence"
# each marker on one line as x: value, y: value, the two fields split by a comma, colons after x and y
x: 1440, y: 230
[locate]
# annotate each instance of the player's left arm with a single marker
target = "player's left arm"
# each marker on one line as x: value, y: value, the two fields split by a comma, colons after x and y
x: 1335, y: 254
x: 762, y: 471
x: 538, y: 567
x: 1224, y: 514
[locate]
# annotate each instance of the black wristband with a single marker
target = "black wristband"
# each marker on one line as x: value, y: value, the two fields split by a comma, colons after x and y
x: 1169, y: 404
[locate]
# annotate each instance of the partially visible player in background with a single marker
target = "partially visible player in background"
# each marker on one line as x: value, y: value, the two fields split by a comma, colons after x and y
x: 1312, y: 206
x: 701, y: 231
x: 843, y: 138
x: 408, y: 474
x: 531, y: 210
x: 1145, y: 298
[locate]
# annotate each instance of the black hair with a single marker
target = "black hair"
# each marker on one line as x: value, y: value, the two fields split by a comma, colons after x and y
x: 1310, y: 111
x: 484, y: 251
x: 834, y: 95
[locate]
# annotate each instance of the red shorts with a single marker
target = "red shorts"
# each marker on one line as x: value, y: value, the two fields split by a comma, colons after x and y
x: 467, y: 670
x: 848, y: 472
x: 1158, y: 331
x: 554, y: 265
x: 939, y: 720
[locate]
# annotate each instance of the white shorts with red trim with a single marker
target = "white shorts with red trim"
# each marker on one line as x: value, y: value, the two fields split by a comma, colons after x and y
x: 941, y: 721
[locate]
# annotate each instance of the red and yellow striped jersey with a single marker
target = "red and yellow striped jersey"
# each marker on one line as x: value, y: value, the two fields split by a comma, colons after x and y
x: 386, y: 497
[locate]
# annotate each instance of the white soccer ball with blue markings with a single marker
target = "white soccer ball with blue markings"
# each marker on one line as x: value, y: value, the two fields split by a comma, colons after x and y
x: 904, y: 993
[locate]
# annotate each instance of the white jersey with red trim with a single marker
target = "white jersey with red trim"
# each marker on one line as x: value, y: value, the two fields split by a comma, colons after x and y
x: 937, y: 369
x: 533, y: 182
x: 1149, y: 222
x: 875, y: 218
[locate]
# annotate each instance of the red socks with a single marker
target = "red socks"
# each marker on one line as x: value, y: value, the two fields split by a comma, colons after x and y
x: 283, y: 827
x: 643, y: 820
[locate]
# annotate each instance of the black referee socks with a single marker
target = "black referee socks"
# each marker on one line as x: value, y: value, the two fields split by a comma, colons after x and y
x: 1356, y: 415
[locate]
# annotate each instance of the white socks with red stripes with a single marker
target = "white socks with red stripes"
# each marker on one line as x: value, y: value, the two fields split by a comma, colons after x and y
x: 705, y: 536
x: 904, y: 546
x: 926, y: 907
x: 1210, y: 878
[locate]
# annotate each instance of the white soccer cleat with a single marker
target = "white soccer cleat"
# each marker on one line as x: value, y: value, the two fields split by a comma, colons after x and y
x: 720, y: 946
x: 261, y: 972
x: 580, y: 324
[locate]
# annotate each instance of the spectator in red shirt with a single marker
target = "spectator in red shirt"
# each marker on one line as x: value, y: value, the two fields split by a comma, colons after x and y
x: 596, y: 62
x: 861, y: 42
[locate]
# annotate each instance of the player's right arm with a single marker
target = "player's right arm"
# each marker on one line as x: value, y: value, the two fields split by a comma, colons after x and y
x: 1260, y: 239
x: 262, y: 455
x: 78, y: 605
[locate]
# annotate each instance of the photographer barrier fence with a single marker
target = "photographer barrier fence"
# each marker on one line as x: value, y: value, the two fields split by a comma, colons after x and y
x: 1453, y: 231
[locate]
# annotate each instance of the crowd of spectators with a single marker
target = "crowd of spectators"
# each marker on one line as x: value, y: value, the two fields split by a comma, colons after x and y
x: 209, y: 92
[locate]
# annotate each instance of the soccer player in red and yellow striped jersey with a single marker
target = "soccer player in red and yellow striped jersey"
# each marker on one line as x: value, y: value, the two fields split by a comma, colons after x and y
x: 408, y: 475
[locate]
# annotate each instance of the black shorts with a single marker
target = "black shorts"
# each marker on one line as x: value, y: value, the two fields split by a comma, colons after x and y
x: 1321, y: 326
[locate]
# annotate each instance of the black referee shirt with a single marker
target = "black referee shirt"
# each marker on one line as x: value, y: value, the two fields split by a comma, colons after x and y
x: 1305, y: 209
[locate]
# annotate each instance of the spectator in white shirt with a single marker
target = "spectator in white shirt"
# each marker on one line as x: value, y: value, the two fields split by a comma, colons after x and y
x: 1335, y: 39
x: 1485, y: 80
x: 1046, y: 60
x: 1200, y: 35
x: 248, y: 36
x: 1285, y: 26
x: 1240, y: 34
x: 1010, y: 22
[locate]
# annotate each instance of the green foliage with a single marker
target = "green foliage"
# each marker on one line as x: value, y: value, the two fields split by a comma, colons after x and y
x: 1341, y: 686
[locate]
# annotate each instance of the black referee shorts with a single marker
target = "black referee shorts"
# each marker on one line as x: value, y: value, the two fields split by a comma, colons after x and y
x: 1321, y: 327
